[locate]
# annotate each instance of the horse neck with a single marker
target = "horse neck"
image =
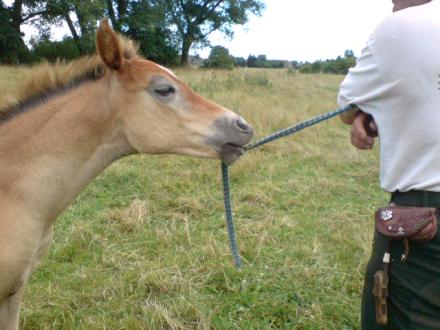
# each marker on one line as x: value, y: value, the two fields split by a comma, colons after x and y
x: 49, y: 154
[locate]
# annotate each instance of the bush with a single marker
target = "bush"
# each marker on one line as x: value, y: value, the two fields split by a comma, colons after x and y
x: 240, y: 62
x: 340, y: 65
x: 314, y: 67
x: 219, y: 58
x: 52, y: 50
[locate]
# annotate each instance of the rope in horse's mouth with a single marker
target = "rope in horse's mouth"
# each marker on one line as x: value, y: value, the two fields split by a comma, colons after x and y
x: 277, y: 135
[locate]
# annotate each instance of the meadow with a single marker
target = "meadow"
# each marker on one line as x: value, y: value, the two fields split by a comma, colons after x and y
x: 145, y: 246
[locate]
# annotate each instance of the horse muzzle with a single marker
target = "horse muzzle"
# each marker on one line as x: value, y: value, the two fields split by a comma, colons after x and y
x: 231, y: 134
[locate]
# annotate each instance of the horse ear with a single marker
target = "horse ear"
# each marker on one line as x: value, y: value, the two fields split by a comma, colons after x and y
x: 109, y: 46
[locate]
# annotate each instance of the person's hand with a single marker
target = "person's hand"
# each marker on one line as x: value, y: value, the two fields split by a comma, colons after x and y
x: 363, y: 131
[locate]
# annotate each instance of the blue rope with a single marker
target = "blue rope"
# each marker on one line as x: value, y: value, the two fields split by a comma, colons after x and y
x: 229, y: 215
x: 296, y: 128
x: 278, y: 135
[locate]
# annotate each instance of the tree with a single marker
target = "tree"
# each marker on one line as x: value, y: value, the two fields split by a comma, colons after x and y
x: 350, y: 59
x: 12, y: 46
x: 44, y: 48
x: 349, y: 53
x: 261, y: 61
x: 262, y: 58
x: 117, y: 12
x: 314, y: 67
x: 340, y: 65
x: 86, y: 12
x: 162, y: 27
x: 195, y: 20
x: 146, y: 22
x: 23, y: 11
x: 219, y: 58
x: 10, y: 39
x: 251, y: 61
x: 240, y: 62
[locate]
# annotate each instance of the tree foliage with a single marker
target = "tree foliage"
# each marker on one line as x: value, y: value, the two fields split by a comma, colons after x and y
x: 44, y: 48
x: 79, y: 15
x: 195, y: 20
x: 10, y: 39
x: 340, y: 65
x: 163, y: 27
x: 240, y: 62
x: 12, y: 47
x: 261, y: 61
x: 219, y: 58
x: 147, y: 23
x: 251, y: 61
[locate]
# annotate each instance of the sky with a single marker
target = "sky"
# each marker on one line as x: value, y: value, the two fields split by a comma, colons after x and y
x: 302, y: 30
x: 307, y: 30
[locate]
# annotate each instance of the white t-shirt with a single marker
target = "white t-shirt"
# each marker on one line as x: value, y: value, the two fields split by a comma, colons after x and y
x: 397, y: 81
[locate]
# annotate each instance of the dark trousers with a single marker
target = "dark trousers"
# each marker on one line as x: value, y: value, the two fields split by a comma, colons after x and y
x: 414, y: 286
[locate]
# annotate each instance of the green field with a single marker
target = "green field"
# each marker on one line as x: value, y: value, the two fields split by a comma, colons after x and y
x: 145, y: 246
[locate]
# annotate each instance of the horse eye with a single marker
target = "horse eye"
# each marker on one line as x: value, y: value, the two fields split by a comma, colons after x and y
x: 165, y: 91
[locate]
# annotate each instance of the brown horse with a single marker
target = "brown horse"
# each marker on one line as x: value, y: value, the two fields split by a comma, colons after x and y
x: 74, y: 120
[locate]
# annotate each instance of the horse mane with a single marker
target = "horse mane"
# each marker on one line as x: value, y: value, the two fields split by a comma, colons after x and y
x: 46, y: 79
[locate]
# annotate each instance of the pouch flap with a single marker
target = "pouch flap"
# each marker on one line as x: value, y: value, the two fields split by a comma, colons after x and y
x: 403, y: 221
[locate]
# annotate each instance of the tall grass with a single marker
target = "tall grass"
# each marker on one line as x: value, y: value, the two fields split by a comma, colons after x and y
x: 145, y: 245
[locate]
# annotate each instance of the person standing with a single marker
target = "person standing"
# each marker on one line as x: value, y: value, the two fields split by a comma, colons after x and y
x: 396, y: 87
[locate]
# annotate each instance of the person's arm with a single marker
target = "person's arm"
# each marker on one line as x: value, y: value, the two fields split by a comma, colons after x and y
x: 363, y: 87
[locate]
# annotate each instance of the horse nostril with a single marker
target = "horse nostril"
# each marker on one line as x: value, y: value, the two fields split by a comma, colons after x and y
x: 242, y: 125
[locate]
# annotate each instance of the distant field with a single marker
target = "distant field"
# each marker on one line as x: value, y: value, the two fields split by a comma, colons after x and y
x: 145, y: 245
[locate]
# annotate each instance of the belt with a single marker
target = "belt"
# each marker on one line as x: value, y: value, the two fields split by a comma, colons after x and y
x: 416, y: 198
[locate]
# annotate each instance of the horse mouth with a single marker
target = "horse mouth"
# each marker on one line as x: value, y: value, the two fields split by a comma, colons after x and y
x: 230, y: 153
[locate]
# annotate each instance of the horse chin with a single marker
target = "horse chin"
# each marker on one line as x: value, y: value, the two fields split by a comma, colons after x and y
x: 230, y: 153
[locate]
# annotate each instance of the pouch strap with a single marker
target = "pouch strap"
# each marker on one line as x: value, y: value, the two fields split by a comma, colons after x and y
x: 406, y: 250
x: 387, y: 257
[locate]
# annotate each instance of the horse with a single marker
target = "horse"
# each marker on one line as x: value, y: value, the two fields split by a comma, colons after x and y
x: 70, y: 121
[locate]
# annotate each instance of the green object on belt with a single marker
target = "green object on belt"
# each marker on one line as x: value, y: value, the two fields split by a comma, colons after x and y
x: 417, y: 198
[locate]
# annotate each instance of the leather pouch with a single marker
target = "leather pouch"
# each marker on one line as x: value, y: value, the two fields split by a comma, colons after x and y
x: 414, y: 223
x: 404, y: 223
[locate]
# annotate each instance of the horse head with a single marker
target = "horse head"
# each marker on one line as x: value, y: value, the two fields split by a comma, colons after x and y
x: 159, y: 113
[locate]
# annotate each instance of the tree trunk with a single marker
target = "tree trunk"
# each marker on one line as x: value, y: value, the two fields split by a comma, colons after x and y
x: 186, y: 46
x: 74, y: 34
x: 122, y: 8
x: 16, y: 15
x: 111, y: 14
x: 19, y: 53
x: 81, y: 22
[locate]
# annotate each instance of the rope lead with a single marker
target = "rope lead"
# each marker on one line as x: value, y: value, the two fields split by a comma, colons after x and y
x: 278, y: 135
x: 229, y: 216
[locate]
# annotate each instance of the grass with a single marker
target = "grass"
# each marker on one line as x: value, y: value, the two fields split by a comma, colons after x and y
x: 145, y: 245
